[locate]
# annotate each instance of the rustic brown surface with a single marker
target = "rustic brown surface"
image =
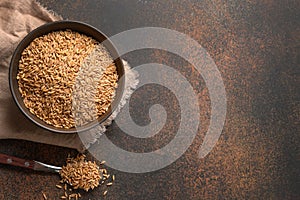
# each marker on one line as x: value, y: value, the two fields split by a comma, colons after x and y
x: 255, y: 45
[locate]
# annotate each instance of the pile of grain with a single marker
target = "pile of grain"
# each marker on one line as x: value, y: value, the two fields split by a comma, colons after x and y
x: 66, y: 78
x: 79, y: 173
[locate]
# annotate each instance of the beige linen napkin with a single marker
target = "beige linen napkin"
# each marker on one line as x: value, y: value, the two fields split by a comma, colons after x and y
x: 17, y: 18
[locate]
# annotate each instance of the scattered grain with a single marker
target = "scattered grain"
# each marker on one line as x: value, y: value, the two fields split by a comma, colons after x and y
x: 59, y: 186
x: 44, y: 196
x: 105, y: 192
x: 103, y: 162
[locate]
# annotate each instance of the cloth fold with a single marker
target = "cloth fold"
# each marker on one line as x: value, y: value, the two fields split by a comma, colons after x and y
x: 17, y: 19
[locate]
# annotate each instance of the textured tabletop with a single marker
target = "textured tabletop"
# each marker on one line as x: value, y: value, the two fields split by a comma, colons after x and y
x: 255, y: 47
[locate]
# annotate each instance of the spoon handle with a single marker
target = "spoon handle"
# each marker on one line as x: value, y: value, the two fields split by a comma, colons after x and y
x: 11, y: 160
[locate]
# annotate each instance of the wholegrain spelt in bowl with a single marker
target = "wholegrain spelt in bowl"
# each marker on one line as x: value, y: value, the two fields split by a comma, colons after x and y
x: 65, y: 78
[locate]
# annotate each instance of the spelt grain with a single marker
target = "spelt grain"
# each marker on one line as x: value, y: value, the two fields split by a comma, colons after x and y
x: 66, y: 78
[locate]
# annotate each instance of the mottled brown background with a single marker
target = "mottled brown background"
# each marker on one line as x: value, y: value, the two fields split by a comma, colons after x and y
x: 255, y: 45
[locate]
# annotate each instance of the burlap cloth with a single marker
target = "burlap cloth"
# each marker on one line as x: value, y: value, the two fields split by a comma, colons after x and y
x: 17, y: 18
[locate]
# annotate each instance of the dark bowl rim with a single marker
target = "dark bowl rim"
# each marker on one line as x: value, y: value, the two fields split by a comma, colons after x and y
x: 118, y: 61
